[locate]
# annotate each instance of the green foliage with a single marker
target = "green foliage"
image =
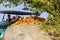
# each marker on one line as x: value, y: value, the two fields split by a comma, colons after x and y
x: 52, y: 30
x: 1, y: 1
x: 51, y: 6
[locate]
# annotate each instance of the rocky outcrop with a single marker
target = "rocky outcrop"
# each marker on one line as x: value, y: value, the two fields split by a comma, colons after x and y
x: 24, y: 31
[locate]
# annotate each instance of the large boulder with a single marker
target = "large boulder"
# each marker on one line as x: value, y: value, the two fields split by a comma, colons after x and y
x: 27, y: 29
x: 25, y: 32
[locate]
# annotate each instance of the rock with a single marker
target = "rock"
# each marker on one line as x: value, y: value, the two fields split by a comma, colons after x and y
x: 27, y: 29
x: 25, y: 32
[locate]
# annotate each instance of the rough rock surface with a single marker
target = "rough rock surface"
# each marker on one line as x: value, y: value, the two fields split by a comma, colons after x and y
x: 25, y: 32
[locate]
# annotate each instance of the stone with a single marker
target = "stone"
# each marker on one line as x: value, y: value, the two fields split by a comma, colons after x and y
x: 24, y: 31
